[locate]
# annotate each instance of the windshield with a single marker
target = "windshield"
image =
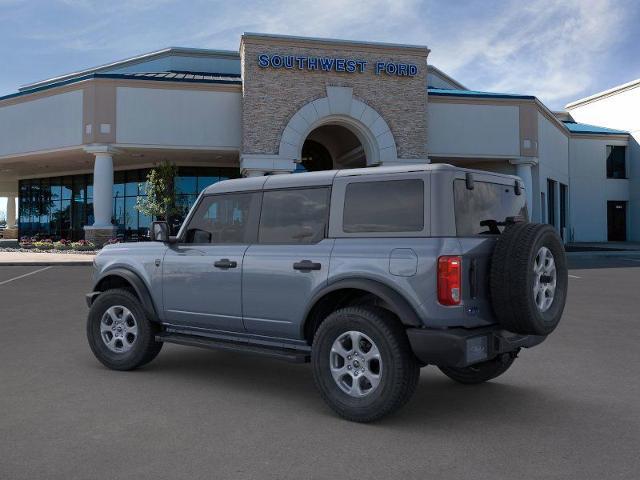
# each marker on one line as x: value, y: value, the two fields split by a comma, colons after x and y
x: 485, y: 209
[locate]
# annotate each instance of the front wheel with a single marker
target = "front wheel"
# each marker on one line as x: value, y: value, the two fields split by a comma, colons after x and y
x: 119, y: 331
x: 363, y: 364
x: 480, y: 372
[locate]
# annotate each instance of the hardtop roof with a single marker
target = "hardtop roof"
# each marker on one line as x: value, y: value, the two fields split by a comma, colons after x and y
x: 325, y: 178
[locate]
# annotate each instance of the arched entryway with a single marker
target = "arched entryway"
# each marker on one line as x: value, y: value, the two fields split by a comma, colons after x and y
x: 336, y: 132
x: 332, y: 146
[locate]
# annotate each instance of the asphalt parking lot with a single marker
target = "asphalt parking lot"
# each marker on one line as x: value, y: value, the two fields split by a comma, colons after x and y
x: 568, y: 409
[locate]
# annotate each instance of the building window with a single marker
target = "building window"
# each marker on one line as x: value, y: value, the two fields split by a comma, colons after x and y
x: 563, y: 209
x: 616, y: 163
x: 551, y: 202
x: 59, y: 207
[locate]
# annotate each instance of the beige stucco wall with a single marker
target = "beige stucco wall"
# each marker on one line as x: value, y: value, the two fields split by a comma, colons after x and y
x: 272, y: 96
x: 473, y: 129
x: 178, y: 117
x: 49, y: 122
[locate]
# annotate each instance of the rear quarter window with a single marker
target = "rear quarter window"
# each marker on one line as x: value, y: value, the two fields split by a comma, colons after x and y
x: 488, y: 203
x: 384, y: 206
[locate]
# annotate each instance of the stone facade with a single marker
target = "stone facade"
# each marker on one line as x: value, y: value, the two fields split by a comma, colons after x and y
x: 9, y: 233
x: 272, y: 96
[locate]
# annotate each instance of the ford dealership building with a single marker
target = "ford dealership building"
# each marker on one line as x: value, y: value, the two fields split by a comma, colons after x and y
x: 74, y: 149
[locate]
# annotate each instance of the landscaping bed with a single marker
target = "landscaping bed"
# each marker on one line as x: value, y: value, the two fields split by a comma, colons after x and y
x: 66, y: 247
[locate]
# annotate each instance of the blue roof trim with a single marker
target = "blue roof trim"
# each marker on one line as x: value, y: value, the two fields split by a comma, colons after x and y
x: 225, y: 80
x: 585, y: 128
x: 443, y: 92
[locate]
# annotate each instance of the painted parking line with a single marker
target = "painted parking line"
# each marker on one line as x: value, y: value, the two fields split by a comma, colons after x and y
x: 574, y: 276
x: 25, y: 275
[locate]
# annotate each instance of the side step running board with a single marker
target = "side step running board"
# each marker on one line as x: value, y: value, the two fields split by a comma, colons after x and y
x: 286, y: 354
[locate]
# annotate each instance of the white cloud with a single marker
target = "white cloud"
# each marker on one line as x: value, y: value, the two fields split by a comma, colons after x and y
x: 548, y: 48
x: 542, y: 47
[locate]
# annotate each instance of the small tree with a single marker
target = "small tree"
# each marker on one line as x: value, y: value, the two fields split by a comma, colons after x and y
x: 160, y: 201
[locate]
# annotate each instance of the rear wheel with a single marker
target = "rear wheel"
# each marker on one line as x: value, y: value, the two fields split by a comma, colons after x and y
x: 119, y: 331
x: 480, y: 372
x: 363, y: 364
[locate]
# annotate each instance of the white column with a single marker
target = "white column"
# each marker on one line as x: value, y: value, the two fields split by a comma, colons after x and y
x: 11, y: 212
x: 103, y: 189
x: 257, y: 165
x: 523, y: 170
x: 253, y: 173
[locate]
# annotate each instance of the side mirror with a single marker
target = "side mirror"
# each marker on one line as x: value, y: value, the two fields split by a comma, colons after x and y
x: 160, y: 232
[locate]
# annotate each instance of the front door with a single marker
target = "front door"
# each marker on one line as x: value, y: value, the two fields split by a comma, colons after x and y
x: 289, y: 263
x: 617, y: 221
x: 202, y: 273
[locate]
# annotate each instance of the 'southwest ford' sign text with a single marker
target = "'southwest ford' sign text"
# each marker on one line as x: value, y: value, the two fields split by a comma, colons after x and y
x: 333, y: 64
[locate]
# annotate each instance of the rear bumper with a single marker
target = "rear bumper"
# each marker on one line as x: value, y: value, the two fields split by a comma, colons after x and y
x: 461, y: 347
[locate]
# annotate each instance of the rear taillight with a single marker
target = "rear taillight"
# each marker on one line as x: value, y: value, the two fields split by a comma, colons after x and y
x: 449, y: 280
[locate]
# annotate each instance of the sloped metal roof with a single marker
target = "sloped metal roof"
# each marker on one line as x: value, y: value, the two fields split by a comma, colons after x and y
x: 187, y: 77
x: 474, y: 93
x: 585, y: 128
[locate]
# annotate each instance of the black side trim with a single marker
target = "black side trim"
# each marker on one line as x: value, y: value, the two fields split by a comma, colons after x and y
x: 142, y: 292
x: 90, y: 298
x: 392, y: 298
x: 287, y: 354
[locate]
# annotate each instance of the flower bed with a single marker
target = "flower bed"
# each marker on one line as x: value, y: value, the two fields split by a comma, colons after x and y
x: 51, y: 250
x: 46, y: 245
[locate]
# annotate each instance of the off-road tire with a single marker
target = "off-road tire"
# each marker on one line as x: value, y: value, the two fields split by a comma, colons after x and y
x: 143, y: 350
x: 399, y: 375
x: 480, y: 372
x: 512, y: 279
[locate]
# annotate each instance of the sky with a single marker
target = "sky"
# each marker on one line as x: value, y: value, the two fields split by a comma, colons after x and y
x: 557, y: 50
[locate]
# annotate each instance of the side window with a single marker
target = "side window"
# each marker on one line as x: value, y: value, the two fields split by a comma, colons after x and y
x: 225, y: 218
x: 388, y: 206
x: 294, y: 216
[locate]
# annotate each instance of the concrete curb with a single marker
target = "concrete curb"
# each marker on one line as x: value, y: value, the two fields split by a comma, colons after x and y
x: 46, y: 264
x: 608, y: 253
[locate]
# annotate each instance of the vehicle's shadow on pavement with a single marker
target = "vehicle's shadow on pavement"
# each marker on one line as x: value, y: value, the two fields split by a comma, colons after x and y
x: 438, y: 402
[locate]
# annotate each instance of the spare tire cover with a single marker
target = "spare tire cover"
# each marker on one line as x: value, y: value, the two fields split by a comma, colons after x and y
x: 529, y: 279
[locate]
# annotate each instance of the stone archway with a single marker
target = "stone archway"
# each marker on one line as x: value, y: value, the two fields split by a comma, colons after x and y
x: 340, y: 108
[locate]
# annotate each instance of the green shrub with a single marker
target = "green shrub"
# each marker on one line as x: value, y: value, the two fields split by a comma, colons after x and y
x: 43, y: 245
x: 62, y: 245
x: 83, y: 245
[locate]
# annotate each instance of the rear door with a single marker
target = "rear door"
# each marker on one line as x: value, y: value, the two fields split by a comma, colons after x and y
x: 289, y: 263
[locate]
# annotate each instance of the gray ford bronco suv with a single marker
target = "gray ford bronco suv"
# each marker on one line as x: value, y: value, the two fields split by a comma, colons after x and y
x: 369, y: 274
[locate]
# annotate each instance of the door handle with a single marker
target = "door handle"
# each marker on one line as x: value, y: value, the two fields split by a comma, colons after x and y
x: 225, y: 263
x: 306, y: 265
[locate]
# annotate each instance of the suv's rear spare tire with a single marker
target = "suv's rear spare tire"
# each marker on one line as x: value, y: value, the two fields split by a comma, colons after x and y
x: 529, y: 279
